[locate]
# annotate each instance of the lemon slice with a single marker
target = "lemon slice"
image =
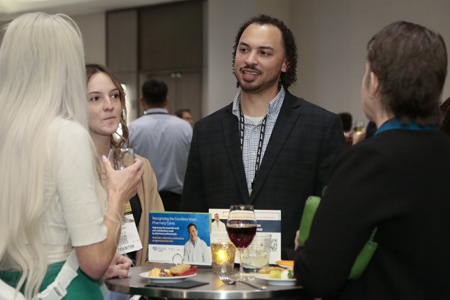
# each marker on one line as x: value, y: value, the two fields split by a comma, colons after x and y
x: 275, y: 274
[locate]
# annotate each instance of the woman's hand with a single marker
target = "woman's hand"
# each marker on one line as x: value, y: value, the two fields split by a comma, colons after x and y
x: 359, y: 137
x: 123, y: 184
x: 120, y: 266
x: 95, y: 259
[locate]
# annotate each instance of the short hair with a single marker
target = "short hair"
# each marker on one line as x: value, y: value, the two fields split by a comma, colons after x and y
x: 445, y: 108
x: 290, y: 48
x: 346, y: 119
x: 191, y: 224
x: 179, y: 112
x: 154, y: 92
x: 122, y: 140
x: 410, y: 62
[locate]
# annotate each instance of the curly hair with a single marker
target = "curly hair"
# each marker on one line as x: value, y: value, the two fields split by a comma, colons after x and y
x: 290, y: 48
x: 117, y: 140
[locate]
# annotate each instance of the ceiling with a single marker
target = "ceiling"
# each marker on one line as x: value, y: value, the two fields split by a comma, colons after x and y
x: 9, y: 9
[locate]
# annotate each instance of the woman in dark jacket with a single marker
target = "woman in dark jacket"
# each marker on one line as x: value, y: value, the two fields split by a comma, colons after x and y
x: 396, y: 181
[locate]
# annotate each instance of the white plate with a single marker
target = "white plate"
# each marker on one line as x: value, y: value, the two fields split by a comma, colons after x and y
x: 285, y: 266
x: 174, y: 279
x: 276, y: 281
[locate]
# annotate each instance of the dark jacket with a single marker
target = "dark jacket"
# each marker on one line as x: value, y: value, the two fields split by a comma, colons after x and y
x: 396, y: 181
x: 296, y: 163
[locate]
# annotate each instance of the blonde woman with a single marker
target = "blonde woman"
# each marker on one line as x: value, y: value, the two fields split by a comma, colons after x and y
x: 51, y: 197
x: 106, y: 100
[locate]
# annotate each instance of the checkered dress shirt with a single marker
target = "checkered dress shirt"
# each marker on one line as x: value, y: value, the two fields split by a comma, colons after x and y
x: 252, y: 132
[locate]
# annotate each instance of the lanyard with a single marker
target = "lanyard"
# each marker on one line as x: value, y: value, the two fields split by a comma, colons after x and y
x: 260, y: 143
x: 156, y: 113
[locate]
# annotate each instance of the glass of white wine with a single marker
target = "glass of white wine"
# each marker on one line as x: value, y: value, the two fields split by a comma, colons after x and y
x: 358, y: 127
x: 121, y: 158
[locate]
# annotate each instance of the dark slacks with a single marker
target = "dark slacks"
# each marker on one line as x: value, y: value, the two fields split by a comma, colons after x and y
x: 170, y: 200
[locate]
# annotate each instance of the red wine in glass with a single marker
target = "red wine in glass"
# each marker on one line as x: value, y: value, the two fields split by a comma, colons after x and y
x: 241, y: 228
x: 241, y: 237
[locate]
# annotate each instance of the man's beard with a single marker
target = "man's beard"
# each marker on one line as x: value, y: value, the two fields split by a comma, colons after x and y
x: 251, y: 87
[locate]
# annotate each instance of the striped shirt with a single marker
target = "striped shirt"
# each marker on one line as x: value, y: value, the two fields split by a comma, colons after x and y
x: 252, y: 133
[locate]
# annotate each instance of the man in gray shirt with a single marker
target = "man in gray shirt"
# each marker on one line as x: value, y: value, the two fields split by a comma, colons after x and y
x: 164, y: 140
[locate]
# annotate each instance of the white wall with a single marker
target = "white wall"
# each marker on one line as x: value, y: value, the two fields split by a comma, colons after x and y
x: 223, y: 22
x: 93, y: 29
x: 332, y: 38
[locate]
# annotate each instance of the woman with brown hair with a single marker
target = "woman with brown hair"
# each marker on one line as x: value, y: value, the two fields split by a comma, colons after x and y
x: 108, y: 129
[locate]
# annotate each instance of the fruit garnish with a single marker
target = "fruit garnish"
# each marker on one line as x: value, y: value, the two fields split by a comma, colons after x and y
x: 287, y: 274
x: 191, y: 271
x: 275, y: 274
x: 287, y: 263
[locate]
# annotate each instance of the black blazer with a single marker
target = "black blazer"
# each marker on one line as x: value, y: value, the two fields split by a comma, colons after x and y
x: 296, y: 164
x: 396, y: 181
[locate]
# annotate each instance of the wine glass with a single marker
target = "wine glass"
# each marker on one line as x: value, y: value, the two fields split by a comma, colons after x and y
x: 241, y: 228
x: 121, y: 158
x: 358, y: 128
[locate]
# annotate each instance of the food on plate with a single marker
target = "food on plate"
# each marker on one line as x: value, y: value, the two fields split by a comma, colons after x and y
x: 179, y: 269
x: 267, y: 270
x: 155, y: 272
x: 286, y: 274
x: 191, y: 271
x: 165, y: 273
x: 286, y: 263
x: 275, y: 274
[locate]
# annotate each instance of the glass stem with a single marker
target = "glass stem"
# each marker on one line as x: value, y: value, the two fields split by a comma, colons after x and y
x: 241, y: 268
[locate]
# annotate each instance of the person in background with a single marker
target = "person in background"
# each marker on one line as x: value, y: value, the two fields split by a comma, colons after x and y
x: 352, y: 138
x: 268, y: 147
x: 218, y: 225
x: 107, y: 111
x: 185, y: 114
x: 164, y: 140
x: 52, y: 202
x: 346, y: 119
x: 195, y: 249
x: 395, y: 181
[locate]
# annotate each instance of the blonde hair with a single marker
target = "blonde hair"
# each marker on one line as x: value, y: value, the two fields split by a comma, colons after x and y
x: 42, y: 83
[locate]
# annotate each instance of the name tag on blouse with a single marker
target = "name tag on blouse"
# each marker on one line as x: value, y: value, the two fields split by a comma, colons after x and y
x: 129, y: 236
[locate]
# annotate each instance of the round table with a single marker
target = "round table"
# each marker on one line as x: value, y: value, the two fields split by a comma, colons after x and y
x: 215, y: 289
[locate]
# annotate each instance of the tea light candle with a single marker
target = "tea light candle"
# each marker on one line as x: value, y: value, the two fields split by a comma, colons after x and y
x: 222, y: 255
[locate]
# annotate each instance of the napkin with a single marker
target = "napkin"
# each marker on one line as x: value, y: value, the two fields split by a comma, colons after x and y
x: 178, y: 285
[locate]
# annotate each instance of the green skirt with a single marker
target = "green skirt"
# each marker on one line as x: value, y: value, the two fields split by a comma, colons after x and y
x: 81, y: 287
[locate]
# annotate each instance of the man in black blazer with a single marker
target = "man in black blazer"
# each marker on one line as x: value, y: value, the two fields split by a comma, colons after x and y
x: 268, y: 148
